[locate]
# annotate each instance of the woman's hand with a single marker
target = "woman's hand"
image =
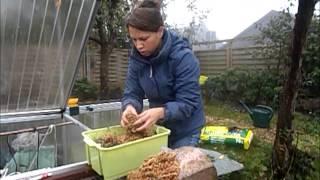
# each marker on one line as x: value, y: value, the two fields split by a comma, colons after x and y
x: 129, y: 109
x: 148, y: 118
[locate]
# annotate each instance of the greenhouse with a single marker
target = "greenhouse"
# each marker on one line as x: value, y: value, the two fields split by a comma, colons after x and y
x: 41, y: 44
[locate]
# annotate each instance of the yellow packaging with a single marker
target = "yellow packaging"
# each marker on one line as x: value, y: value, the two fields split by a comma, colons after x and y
x: 226, y: 135
x: 202, y: 79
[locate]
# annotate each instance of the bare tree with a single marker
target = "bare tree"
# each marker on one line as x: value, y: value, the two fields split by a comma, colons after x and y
x: 197, y: 21
x: 107, y: 30
x: 283, y: 150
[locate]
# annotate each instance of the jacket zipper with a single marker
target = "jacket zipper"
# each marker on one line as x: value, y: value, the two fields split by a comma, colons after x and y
x: 151, y: 72
x: 154, y: 80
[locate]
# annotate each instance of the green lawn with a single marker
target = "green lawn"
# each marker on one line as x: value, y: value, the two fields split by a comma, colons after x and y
x: 257, y: 159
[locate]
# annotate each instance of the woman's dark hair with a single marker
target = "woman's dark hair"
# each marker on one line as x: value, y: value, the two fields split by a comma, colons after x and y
x: 146, y: 17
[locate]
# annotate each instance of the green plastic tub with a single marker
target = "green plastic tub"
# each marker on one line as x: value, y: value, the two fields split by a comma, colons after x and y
x: 117, y: 161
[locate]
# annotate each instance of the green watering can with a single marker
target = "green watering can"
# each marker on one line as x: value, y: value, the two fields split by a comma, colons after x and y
x: 260, y: 114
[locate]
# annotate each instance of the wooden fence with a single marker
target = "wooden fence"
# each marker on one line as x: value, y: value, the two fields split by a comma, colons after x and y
x: 118, y: 65
x: 212, y: 62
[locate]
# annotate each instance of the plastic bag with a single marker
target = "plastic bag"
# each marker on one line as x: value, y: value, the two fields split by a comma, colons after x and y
x: 172, y: 164
x: 191, y: 161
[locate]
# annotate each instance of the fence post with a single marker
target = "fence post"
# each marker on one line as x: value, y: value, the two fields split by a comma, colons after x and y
x: 229, y: 55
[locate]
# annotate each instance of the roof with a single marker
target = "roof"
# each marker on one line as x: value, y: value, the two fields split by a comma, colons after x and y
x: 242, y: 40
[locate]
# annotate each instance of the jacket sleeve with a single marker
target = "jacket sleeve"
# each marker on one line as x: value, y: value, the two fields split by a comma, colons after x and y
x: 133, y: 93
x: 186, y: 88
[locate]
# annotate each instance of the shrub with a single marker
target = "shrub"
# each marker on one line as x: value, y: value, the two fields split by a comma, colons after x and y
x: 254, y: 87
x: 84, y: 90
x: 226, y: 86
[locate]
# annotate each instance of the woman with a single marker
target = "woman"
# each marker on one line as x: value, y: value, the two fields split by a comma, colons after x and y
x: 163, y: 68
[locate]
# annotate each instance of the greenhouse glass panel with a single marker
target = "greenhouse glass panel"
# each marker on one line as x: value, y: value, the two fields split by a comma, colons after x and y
x: 41, y: 44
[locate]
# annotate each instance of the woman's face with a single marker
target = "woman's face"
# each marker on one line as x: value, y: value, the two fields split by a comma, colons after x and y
x: 146, y: 42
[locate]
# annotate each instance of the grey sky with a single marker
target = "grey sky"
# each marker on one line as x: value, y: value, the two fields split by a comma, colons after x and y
x: 227, y: 17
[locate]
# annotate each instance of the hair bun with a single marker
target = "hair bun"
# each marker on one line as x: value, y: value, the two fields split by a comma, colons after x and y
x: 150, y: 4
x: 146, y: 16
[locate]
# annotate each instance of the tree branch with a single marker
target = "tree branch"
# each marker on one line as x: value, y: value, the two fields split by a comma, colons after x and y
x: 95, y: 40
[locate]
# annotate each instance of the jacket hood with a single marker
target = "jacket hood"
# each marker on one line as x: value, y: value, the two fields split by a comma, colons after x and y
x: 171, y: 44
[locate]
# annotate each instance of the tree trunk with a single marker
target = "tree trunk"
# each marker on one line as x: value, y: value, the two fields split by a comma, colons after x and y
x: 107, y: 43
x: 282, y: 155
x: 104, y: 71
x: 104, y: 58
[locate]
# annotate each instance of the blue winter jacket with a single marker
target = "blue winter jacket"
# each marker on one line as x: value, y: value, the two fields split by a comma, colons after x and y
x: 168, y: 79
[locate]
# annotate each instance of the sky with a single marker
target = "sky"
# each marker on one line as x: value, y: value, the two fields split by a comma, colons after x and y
x: 226, y: 17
